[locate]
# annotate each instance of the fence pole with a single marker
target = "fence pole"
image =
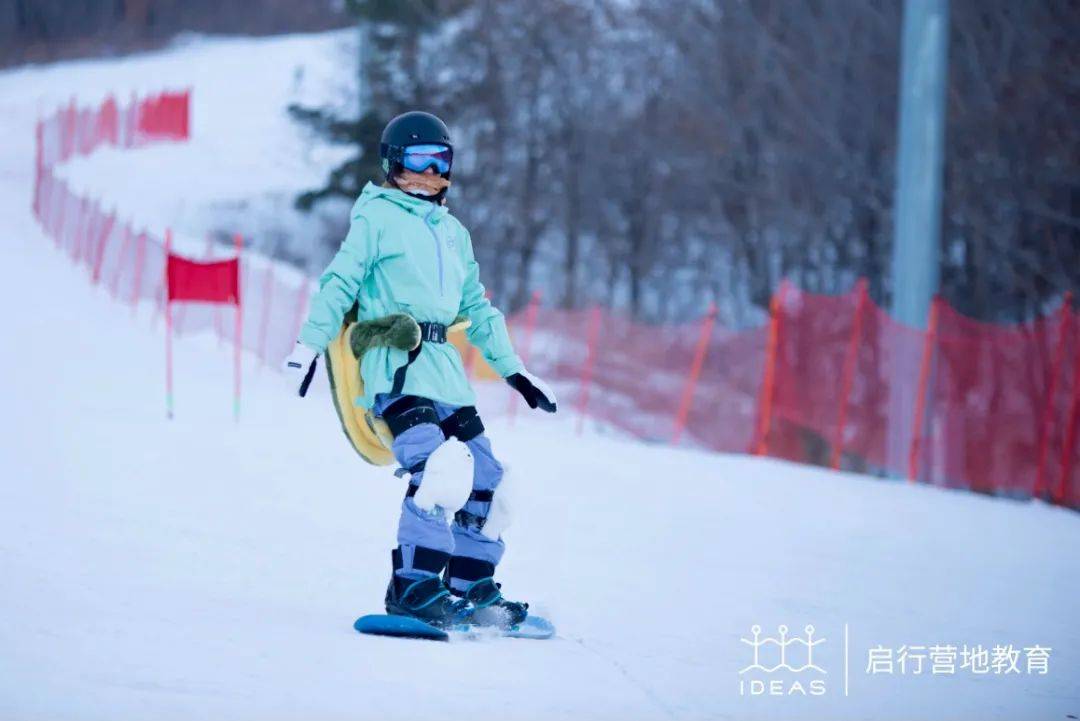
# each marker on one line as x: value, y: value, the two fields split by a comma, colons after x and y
x: 80, y: 225
x: 85, y: 231
x: 86, y: 241
x: 168, y: 331
x: 209, y: 253
x: 52, y: 209
x: 185, y: 118
x: 114, y: 284
x: 67, y: 131
x: 238, y: 330
x: 73, y: 220
x: 847, y: 379
x: 140, y: 261
x: 67, y: 217
x: 768, y: 381
x: 702, y: 347
x: 1051, y: 391
x: 61, y: 212
x: 82, y: 216
x: 93, y: 227
x: 526, y: 343
x: 1067, y: 448
x: 75, y: 249
x: 264, y: 324
x: 587, y: 367
x: 63, y: 218
x: 47, y: 209
x: 110, y: 221
x: 929, y: 346
x: 93, y: 238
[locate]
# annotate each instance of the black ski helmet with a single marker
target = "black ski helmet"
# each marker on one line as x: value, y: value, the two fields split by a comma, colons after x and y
x: 412, y: 128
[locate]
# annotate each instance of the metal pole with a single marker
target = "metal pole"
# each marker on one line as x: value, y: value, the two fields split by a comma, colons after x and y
x: 917, y: 206
x: 920, y: 159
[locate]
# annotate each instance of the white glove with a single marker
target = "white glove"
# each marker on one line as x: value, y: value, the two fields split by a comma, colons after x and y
x: 300, y: 367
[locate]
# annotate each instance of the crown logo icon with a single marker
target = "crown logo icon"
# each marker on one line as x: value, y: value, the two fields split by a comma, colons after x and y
x: 781, y: 643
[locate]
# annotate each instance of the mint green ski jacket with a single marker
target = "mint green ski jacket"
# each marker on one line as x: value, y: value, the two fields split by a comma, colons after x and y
x: 407, y: 255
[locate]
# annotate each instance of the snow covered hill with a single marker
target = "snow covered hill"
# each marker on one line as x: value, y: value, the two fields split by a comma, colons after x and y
x: 204, y: 569
x: 247, y: 159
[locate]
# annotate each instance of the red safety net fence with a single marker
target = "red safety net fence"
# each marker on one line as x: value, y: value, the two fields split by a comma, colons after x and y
x: 130, y: 261
x: 1002, y: 406
x: 834, y: 381
x: 830, y: 380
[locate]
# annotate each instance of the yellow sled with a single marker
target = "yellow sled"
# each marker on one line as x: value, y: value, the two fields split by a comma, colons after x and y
x: 370, y: 437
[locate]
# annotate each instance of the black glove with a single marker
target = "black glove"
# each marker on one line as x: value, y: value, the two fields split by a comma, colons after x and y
x: 535, y: 391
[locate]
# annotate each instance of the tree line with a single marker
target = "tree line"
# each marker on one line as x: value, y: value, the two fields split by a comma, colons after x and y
x: 656, y: 156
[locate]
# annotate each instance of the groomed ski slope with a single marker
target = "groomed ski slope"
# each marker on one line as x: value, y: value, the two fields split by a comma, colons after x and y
x: 204, y: 569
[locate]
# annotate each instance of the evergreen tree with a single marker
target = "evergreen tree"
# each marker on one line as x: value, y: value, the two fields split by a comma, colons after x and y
x: 393, y: 79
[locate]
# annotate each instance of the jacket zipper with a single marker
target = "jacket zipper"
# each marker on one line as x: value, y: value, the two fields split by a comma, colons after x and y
x: 438, y: 246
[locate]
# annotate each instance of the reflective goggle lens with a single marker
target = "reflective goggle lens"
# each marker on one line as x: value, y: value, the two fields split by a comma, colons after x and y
x: 419, y: 158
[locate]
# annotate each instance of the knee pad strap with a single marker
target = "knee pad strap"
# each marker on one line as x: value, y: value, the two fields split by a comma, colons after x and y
x: 482, y: 496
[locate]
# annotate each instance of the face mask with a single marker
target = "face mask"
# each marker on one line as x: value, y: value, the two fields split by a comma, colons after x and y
x: 427, y: 184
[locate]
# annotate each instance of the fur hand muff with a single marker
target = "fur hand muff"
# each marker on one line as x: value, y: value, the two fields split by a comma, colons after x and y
x: 397, y: 330
x: 393, y: 331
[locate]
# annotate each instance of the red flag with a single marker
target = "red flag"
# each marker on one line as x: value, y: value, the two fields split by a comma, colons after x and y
x: 214, y: 282
x: 164, y: 116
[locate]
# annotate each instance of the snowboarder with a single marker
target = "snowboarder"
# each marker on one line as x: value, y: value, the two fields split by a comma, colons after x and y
x: 405, y: 253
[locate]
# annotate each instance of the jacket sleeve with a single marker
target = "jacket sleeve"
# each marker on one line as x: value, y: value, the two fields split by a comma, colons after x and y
x: 487, y: 329
x: 339, y: 285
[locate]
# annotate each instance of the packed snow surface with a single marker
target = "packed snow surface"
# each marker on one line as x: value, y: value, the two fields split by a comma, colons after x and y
x: 202, y: 568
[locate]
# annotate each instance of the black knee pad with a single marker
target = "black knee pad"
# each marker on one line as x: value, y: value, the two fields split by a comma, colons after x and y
x: 409, y: 411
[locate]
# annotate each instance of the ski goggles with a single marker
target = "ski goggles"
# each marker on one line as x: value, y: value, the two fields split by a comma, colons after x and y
x: 419, y: 158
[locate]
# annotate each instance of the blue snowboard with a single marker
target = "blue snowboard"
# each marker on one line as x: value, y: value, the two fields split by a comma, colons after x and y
x: 379, y: 624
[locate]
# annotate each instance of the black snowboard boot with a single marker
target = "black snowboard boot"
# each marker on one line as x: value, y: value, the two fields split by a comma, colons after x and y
x: 489, y: 608
x: 426, y: 599
x: 471, y: 579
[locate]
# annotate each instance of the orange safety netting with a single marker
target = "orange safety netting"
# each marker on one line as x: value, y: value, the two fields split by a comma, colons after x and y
x: 986, y: 407
x: 835, y: 381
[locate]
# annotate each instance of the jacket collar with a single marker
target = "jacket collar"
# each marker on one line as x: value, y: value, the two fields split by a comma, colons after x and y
x: 425, y: 209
